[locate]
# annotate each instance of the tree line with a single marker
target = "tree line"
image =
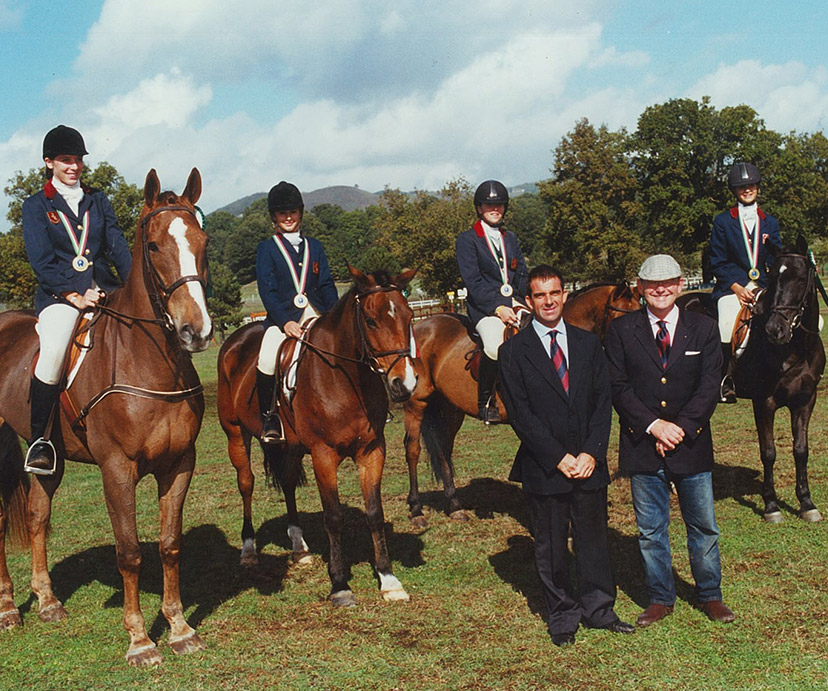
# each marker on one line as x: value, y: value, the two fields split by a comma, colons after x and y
x: 612, y: 198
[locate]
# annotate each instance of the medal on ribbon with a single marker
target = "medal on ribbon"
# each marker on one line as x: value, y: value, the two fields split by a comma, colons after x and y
x: 79, y: 263
x: 505, y: 290
x: 299, y: 282
x: 752, y: 249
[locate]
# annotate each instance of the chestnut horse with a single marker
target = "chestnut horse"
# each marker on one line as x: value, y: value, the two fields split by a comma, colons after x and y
x: 140, y: 406
x: 781, y: 367
x: 446, y: 391
x: 351, y: 356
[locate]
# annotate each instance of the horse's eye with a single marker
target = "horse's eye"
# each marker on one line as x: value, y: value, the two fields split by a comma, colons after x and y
x: 371, y: 322
x: 152, y: 247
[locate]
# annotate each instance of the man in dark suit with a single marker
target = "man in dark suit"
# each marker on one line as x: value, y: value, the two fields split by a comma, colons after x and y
x: 556, y: 390
x: 664, y: 365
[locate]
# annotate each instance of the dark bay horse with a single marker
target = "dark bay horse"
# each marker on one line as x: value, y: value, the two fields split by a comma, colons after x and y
x: 134, y: 409
x: 446, y: 390
x: 781, y: 367
x: 354, y: 358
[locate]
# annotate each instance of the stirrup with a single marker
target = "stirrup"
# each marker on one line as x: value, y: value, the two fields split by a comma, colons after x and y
x: 727, y: 390
x: 41, y: 458
x: 273, y: 431
x: 489, y: 414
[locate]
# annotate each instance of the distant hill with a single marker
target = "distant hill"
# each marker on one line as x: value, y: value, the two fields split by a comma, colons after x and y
x: 349, y: 198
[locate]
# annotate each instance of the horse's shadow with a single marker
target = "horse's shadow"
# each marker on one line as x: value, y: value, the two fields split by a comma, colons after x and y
x: 483, y: 496
x: 210, y: 573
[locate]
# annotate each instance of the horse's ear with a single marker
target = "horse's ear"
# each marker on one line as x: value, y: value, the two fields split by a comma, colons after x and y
x: 361, y: 279
x: 405, y: 278
x: 620, y: 291
x: 193, y: 189
x: 152, y: 187
x: 801, y: 244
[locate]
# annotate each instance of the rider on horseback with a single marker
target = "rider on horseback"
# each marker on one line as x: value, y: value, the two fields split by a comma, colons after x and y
x: 739, y: 257
x: 295, y: 284
x: 494, y: 273
x: 69, y: 231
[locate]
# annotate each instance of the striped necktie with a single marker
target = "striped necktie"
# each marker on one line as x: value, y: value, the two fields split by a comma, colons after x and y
x: 663, y: 342
x: 559, y: 361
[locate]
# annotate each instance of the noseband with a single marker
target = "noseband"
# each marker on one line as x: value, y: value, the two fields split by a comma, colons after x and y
x: 797, y: 310
x: 370, y: 356
x: 161, y: 293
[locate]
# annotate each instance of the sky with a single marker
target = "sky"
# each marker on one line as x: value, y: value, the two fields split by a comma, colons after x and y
x: 405, y: 94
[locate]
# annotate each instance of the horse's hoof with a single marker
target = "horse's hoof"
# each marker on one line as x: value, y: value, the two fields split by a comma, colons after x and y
x: 191, y: 643
x: 420, y: 522
x: 10, y: 619
x: 459, y: 515
x: 302, y: 558
x: 811, y: 516
x: 52, y: 613
x: 773, y: 517
x: 342, y: 598
x: 396, y: 595
x: 145, y: 656
x: 249, y: 555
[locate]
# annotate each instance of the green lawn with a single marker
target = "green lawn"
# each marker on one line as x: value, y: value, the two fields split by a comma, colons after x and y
x: 474, y: 620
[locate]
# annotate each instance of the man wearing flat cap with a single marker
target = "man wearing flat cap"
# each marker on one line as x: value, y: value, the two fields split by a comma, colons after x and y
x: 664, y: 366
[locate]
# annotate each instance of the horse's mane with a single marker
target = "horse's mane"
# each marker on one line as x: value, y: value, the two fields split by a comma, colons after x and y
x: 592, y: 286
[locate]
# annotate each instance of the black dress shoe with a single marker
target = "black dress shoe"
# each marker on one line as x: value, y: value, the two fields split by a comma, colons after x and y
x: 619, y: 626
x: 563, y: 639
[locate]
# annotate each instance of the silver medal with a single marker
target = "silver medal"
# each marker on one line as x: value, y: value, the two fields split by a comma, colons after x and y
x: 301, y: 301
x: 80, y: 263
x: 506, y: 290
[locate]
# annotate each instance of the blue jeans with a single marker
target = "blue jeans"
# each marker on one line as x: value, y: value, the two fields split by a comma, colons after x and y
x: 651, y: 501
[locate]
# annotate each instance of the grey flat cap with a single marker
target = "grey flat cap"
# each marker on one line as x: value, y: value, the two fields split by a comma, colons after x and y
x: 659, y: 267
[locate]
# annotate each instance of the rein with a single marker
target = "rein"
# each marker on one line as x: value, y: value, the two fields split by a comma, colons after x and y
x: 798, y: 310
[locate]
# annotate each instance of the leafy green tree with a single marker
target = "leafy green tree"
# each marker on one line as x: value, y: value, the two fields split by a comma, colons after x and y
x: 240, y: 249
x: 592, y: 207
x: 220, y: 227
x: 225, y: 302
x: 526, y: 219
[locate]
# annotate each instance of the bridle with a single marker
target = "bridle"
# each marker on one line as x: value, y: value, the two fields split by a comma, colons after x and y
x: 609, y: 307
x: 370, y: 356
x: 161, y: 293
x: 797, y: 310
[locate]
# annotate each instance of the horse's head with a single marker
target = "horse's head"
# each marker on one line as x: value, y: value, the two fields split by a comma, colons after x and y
x: 384, y: 325
x: 174, y: 254
x: 791, y: 290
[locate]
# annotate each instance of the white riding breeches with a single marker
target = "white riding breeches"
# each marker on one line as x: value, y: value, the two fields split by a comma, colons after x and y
x: 491, y: 331
x: 55, y: 326
x: 272, y: 339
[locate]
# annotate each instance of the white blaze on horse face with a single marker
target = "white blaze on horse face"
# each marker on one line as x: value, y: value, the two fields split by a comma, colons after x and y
x: 187, y: 263
x: 782, y: 268
x: 391, y: 310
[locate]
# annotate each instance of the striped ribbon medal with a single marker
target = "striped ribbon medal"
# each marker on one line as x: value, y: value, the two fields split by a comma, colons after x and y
x: 79, y: 263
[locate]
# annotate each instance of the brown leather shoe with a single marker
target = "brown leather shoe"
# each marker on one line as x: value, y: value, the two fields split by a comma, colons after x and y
x: 653, y: 613
x: 716, y: 610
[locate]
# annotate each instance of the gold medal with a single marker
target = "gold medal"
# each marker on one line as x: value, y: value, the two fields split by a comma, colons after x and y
x: 753, y: 274
x: 80, y: 263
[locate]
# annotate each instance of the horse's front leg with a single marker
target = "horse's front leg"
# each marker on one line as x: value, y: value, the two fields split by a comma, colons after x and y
x: 800, y: 420
x: 370, y: 466
x: 290, y: 480
x: 172, y: 490
x: 325, y: 464
x: 413, y: 421
x: 9, y: 614
x: 763, y: 413
x: 41, y: 492
x: 119, y: 482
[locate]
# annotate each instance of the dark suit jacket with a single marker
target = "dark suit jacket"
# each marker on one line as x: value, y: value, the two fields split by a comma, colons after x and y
x: 549, y: 423
x: 481, y: 274
x: 685, y: 392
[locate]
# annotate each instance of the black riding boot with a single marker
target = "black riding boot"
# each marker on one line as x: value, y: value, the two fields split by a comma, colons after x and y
x: 271, y: 423
x: 727, y: 390
x: 486, y: 402
x: 41, y: 459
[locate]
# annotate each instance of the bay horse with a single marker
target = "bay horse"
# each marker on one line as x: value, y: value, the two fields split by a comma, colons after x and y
x: 446, y: 390
x: 781, y: 367
x: 353, y: 359
x: 134, y: 408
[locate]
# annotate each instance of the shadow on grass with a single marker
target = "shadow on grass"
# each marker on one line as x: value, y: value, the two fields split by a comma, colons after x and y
x: 484, y: 496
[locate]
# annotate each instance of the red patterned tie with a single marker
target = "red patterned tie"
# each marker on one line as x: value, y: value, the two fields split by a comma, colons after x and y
x: 559, y: 361
x: 663, y: 342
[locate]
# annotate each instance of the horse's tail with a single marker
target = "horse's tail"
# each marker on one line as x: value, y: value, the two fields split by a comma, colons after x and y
x: 438, y: 433
x: 276, y: 460
x: 14, y: 488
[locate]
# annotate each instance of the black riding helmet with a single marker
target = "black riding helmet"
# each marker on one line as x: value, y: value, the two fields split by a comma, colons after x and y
x: 284, y: 197
x: 743, y: 174
x: 63, y: 140
x: 492, y: 192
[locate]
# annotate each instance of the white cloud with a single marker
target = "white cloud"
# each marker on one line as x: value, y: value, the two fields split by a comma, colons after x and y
x: 11, y: 15
x: 787, y: 97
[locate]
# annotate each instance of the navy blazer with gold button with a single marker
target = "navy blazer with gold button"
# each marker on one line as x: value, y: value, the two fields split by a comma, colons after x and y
x: 684, y: 392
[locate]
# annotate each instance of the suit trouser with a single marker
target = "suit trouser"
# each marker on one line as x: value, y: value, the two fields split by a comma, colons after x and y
x: 551, y: 515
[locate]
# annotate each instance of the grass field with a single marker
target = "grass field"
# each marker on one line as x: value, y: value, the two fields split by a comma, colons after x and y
x: 474, y: 621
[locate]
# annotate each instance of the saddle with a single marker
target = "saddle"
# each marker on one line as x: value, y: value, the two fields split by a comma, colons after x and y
x: 288, y: 358
x: 473, y: 355
x: 741, y: 327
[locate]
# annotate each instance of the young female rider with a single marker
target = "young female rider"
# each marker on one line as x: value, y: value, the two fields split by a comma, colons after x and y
x: 739, y: 256
x: 295, y: 284
x: 69, y: 231
x: 494, y: 273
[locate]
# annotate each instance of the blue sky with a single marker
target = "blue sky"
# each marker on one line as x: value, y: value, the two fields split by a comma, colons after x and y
x: 407, y: 94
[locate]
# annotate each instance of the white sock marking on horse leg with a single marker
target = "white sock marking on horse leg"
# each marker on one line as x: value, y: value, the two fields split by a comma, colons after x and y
x: 297, y: 542
x: 391, y: 588
x: 187, y: 263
